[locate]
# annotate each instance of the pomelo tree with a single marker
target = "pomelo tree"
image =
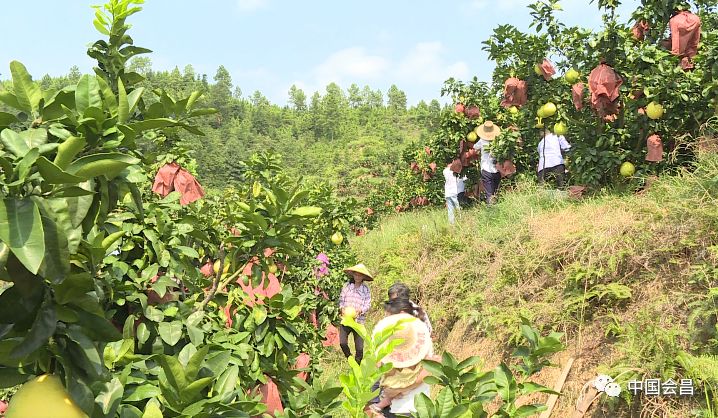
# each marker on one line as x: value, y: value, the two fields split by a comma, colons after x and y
x: 651, y: 76
x: 101, y: 280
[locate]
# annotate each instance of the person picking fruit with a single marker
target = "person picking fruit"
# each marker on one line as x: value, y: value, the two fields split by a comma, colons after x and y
x: 551, y: 149
x: 490, y: 176
x: 452, y: 183
x: 354, y: 301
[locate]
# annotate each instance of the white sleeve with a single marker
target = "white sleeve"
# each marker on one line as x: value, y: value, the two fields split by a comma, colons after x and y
x: 563, y: 143
x: 477, y: 145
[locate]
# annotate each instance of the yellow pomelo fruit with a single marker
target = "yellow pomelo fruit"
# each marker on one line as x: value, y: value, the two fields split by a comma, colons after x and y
x: 337, y: 238
x: 350, y: 312
x: 654, y: 110
x: 472, y: 136
x: 627, y: 169
x: 560, y: 128
x: 549, y: 109
x: 43, y: 397
x: 571, y: 76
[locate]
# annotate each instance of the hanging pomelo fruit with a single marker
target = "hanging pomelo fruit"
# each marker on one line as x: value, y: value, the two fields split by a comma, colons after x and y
x: 654, y: 110
x: 43, y: 397
x: 549, y: 109
x: 560, y: 128
x: 337, y: 238
x: 571, y: 76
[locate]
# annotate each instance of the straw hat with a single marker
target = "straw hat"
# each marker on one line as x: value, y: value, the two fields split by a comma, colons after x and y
x: 416, y: 338
x: 489, y: 131
x: 360, y: 269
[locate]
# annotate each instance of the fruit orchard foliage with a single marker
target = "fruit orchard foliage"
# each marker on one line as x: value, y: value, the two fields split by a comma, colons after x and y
x: 101, y: 280
x: 649, y: 71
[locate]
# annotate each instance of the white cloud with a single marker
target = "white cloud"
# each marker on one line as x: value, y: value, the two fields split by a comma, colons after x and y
x: 251, y: 5
x: 425, y: 64
x: 352, y: 64
x: 423, y: 67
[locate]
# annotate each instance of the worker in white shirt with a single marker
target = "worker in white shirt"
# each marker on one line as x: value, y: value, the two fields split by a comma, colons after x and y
x: 551, y: 164
x: 490, y: 176
x: 451, y: 188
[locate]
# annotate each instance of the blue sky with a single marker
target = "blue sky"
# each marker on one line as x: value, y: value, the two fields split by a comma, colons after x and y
x: 268, y: 45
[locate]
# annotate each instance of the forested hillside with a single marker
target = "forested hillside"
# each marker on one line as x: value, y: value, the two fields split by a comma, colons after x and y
x: 352, y: 139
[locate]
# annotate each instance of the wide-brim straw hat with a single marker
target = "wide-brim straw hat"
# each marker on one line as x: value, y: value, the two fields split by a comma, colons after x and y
x: 489, y: 131
x: 360, y: 269
x: 415, y: 336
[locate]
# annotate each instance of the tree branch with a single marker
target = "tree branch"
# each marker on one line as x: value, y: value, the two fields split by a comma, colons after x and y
x: 215, y: 281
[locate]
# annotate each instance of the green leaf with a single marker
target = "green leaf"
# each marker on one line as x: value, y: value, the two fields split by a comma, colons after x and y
x: 468, y: 362
x: 424, y: 406
x: 10, y: 100
x: 10, y: 377
x: 6, y: 119
x: 25, y: 165
x: 87, y: 351
x: 42, y: 329
x: 286, y: 335
x: 174, y: 372
x: 28, y: 93
x: 108, y: 97
x: 152, y: 410
x: 528, y: 388
x: 194, y: 364
x: 433, y: 367
x: 154, y: 314
x: 505, y: 383
x: 171, y: 332
x: 529, y: 410
x: 133, y: 99
x: 143, y: 334
x: 259, y: 314
x: 14, y: 143
x: 123, y: 105
x: 444, y: 403
x: 193, y: 391
x: 68, y: 149
x: 142, y: 392
x: 101, y: 164
x: 227, y: 381
x: 110, y: 397
x: 79, y: 207
x: 100, y: 27
x: 186, y: 353
x: 53, y: 174
x: 21, y: 230
x: 307, y: 211
x: 87, y: 93
x: 56, y: 262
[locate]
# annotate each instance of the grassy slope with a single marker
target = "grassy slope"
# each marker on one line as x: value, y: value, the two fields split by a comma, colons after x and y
x: 626, y: 278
